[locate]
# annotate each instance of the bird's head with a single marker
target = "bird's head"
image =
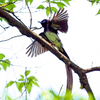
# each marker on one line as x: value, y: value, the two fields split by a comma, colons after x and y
x: 44, y: 22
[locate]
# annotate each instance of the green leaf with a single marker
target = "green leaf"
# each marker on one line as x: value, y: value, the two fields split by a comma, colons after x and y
x: 22, y: 76
x: 21, y: 79
x: 29, y: 87
x: 98, y: 12
x: 32, y: 78
x: 97, y: 1
x: 27, y: 72
x: 1, y: 19
x: 10, y: 83
x: 40, y: 7
x: 9, y: 1
x: 59, y: 4
x: 7, y: 97
x: 92, y: 2
x: 53, y: 9
x: 47, y: 11
x: 1, y: 56
x: 67, y: 2
x: 5, y: 64
x: 47, y: 0
x: 29, y: 1
x: 2, y: 1
x: 10, y: 7
x: 20, y: 86
x: 35, y: 83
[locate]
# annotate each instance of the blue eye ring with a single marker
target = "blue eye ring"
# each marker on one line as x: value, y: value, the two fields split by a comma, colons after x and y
x: 43, y: 21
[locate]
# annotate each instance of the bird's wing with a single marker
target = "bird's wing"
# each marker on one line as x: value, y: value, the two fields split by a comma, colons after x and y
x: 59, y: 20
x: 35, y: 49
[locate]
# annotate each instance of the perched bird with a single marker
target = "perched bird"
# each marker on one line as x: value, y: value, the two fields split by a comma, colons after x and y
x: 51, y: 28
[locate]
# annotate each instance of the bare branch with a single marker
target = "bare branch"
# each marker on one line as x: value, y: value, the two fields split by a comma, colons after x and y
x: 92, y: 69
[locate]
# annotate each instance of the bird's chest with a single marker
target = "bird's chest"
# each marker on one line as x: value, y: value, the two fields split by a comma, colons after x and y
x: 54, y: 39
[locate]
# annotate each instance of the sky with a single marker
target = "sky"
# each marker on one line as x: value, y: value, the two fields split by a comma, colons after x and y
x: 82, y: 43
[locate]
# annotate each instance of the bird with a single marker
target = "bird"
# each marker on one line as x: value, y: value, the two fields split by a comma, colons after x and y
x: 59, y: 22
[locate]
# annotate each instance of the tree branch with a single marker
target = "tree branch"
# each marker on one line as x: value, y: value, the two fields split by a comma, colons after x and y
x: 92, y: 69
x: 25, y: 31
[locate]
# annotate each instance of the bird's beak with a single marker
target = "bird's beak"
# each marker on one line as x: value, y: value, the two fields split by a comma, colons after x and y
x: 39, y: 22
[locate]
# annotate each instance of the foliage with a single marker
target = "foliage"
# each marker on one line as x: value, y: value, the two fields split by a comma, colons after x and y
x: 97, y: 2
x: 7, y: 97
x: 59, y: 3
x: 26, y: 82
x: 4, y: 63
x: 52, y: 95
x: 98, y: 12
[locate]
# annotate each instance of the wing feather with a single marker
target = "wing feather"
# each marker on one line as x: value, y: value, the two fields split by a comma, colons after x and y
x: 35, y: 49
x: 59, y: 20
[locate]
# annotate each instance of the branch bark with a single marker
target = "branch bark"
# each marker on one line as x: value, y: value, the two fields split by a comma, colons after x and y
x: 92, y: 69
x: 25, y: 31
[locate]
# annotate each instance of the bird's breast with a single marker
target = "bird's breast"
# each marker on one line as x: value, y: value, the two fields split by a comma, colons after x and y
x: 54, y: 39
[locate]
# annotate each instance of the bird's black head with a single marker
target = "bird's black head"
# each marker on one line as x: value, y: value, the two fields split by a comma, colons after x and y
x: 44, y: 23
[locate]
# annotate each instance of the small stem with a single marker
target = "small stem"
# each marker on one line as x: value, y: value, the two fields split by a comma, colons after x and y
x: 50, y: 10
x: 30, y: 14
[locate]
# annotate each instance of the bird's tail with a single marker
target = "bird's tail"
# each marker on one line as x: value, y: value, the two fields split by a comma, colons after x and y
x: 69, y: 78
x: 69, y: 73
x: 64, y: 52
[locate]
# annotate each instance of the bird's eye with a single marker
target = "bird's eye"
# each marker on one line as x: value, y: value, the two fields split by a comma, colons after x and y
x: 44, y: 21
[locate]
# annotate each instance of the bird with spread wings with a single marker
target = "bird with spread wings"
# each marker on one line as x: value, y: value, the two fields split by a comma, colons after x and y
x: 59, y: 22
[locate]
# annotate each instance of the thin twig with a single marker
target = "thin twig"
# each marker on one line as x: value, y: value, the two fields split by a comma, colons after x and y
x: 19, y: 96
x: 35, y: 28
x: 11, y: 38
x: 30, y: 14
x: 50, y: 10
x: 14, y: 16
x: 5, y: 61
x: 4, y: 27
x: 60, y: 90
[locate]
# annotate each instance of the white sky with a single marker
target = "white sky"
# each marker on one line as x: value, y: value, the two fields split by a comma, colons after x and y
x: 82, y: 43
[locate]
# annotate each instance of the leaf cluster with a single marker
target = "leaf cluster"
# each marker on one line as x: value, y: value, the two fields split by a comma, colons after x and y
x: 8, y: 4
x: 4, y: 63
x: 97, y: 2
x: 59, y: 3
x: 24, y: 81
x: 52, y: 95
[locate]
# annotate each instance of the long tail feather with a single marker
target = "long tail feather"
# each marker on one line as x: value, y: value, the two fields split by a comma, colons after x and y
x: 69, y: 78
x: 69, y: 73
